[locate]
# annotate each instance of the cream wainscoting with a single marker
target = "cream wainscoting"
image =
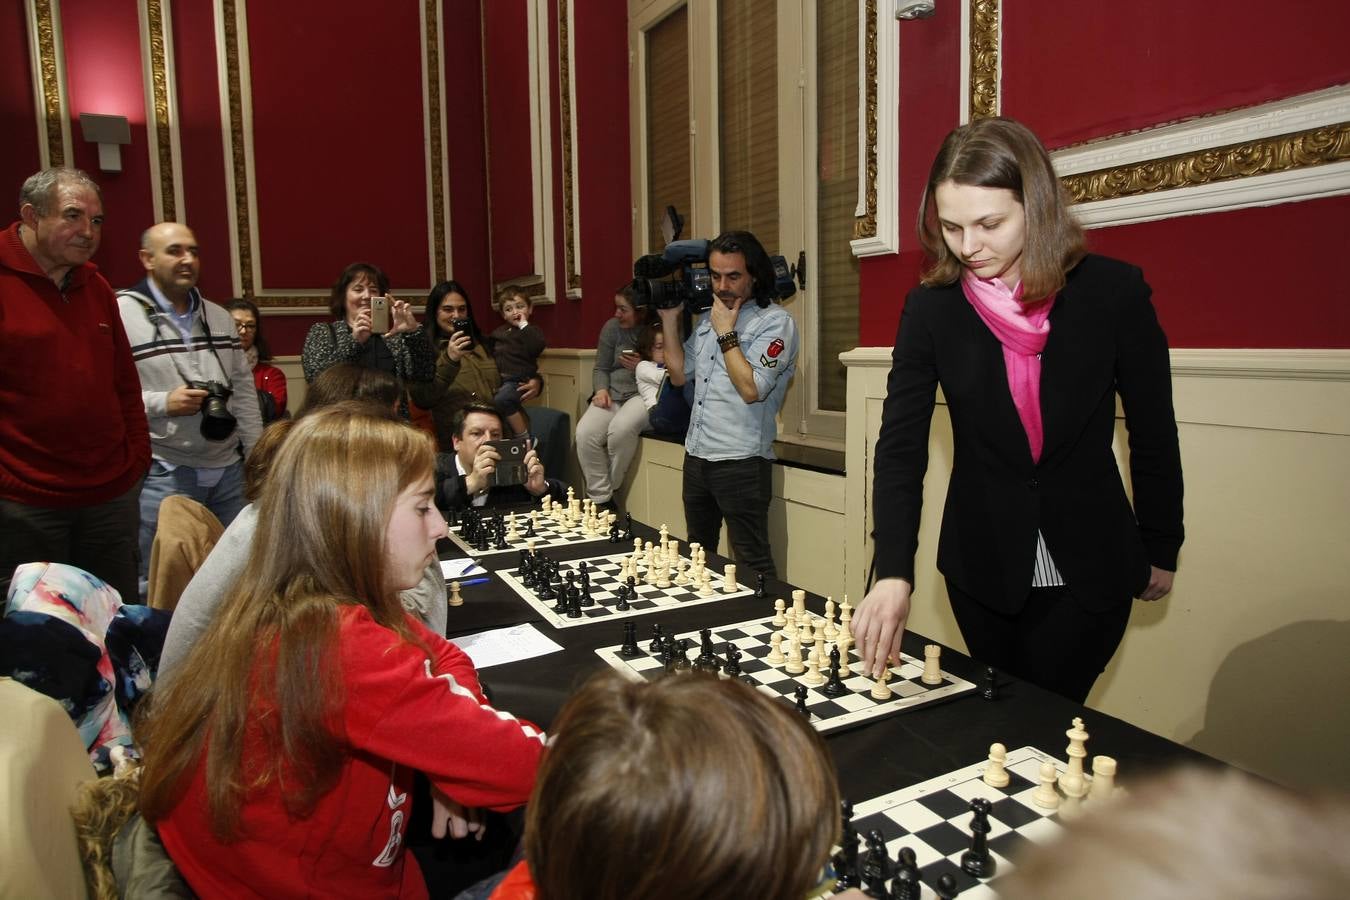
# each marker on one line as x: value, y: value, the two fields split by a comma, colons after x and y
x: 1241, y: 660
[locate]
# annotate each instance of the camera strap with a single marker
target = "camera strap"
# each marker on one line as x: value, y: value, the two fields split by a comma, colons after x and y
x: 155, y: 316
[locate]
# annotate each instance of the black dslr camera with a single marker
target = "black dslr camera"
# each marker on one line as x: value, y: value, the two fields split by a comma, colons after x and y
x: 218, y: 423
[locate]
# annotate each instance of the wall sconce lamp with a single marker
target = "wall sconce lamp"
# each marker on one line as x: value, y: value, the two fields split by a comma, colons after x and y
x: 109, y: 132
x: 915, y: 9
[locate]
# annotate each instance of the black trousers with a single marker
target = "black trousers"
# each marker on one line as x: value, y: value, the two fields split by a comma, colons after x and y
x: 1053, y: 642
x: 738, y: 490
x: 100, y: 539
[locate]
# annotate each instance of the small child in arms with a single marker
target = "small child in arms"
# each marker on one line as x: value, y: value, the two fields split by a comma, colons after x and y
x: 667, y: 411
x: 516, y: 347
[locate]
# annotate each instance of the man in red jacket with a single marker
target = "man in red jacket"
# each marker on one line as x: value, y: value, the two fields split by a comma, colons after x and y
x: 74, y: 444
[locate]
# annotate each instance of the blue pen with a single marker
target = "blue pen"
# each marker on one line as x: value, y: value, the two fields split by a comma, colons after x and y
x: 483, y: 580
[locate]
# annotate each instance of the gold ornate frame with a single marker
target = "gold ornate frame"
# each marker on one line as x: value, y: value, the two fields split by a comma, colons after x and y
x: 51, y: 102
x: 159, y: 111
x: 573, y: 277
x: 866, y: 226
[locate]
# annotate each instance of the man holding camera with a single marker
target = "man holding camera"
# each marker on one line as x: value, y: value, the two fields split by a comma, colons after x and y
x: 487, y: 470
x: 195, y: 384
x: 73, y: 440
x: 741, y: 356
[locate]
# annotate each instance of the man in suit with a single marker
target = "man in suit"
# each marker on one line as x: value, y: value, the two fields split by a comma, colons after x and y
x: 466, y: 477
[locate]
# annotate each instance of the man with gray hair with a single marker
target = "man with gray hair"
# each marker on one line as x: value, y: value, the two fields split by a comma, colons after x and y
x: 196, y: 385
x: 74, y: 444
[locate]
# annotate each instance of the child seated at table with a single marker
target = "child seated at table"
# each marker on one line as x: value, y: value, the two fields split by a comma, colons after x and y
x: 284, y: 765
x: 689, y: 786
x: 516, y: 347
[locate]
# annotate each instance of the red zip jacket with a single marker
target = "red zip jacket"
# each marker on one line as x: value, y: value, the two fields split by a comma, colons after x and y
x: 402, y: 713
x: 72, y: 425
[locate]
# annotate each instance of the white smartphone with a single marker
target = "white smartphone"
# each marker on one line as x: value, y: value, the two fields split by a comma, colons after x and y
x: 379, y: 314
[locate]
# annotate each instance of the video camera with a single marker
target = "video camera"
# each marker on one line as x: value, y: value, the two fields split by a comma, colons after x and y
x: 687, y: 261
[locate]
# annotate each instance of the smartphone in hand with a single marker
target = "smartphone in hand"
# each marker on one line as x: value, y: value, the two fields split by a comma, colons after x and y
x: 379, y: 315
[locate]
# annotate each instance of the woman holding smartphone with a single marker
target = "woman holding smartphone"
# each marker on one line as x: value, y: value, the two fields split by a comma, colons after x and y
x: 607, y: 434
x: 373, y: 330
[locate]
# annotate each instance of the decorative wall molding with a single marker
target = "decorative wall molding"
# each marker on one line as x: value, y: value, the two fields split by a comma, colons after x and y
x: 984, y: 27
x: 541, y: 148
x: 567, y: 104
x: 434, y: 126
x: 46, y: 50
x: 161, y: 105
x: 878, y: 231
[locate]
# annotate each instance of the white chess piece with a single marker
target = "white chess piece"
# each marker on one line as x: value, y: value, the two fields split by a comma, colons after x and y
x: 455, y: 599
x: 1076, y: 751
x: 932, y: 664
x: 880, y: 691
x: 799, y: 602
x: 705, y: 587
x: 813, y: 676
x: 845, y: 644
x: 996, y: 775
x: 846, y: 618
x: 779, y: 619
x: 794, y: 657
x: 831, y: 632
x: 1103, y: 779
x: 1045, y: 796
x: 729, y: 585
x: 776, y: 657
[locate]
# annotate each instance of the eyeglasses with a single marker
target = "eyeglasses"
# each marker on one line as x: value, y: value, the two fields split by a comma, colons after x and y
x: 246, y: 326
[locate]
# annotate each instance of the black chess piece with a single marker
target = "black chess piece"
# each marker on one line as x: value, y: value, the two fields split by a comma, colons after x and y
x: 801, y: 701
x: 906, y: 884
x: 621, y: 599
x: 876, y: 867
x: 707, y: 657
x: 846, y: 860
x: 946, y: 886
x: 977, y: 861
x: 733, y: 666
x: 658, y: 638
x: 759, y: 586
x: 529, y: 527
x: 682, y: 658
x: 627, y: 527
x: 629, y: 648
x: 614, y: 534
x: 835, y: 687
x: 990, y: 689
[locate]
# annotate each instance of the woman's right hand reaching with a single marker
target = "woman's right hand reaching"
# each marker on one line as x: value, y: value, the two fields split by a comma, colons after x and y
x: 361, y: 326
x: 602, y: 399
x: 458, y: 345
x: 879, y: 623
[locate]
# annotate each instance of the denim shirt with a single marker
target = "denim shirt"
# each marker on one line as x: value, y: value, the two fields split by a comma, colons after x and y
x: 723, y: 426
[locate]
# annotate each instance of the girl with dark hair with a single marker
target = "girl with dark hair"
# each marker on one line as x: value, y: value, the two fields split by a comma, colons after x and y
x: 402, y: 350
x: 465, y: 371
x: 269, y: 381
x: 1031, y: 340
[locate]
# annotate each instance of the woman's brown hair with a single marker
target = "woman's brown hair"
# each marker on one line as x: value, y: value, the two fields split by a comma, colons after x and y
x: 268, y: 661
x: 690, y: 786
x: 1002, y: 153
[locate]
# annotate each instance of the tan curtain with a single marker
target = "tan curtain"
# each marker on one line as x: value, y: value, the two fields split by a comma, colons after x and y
x: 748, y: 110
x: 836, y: 272
x: 667, y: 104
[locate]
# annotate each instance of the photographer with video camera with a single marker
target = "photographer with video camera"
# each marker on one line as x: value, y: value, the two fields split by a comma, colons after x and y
x: 741, y: 354
x: 488, y: 470
x: 196, y: 385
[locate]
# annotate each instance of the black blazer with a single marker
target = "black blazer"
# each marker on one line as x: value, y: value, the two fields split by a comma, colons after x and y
x: 1104, y: 340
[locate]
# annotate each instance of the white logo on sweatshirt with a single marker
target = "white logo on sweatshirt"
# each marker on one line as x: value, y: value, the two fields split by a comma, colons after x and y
x: 386, y: 858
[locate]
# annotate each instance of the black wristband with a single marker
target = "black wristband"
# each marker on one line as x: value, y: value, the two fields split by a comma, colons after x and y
x: 728, y: 340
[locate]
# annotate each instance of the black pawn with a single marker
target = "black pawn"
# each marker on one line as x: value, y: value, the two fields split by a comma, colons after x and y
x: 621, y: 604
x: 976, y: 861
x: 801, y: 701
x: 946, y: 886
x: 990, y: 689
x: 906, y: 884
x: 876, y: 867
x: 658, y: 634
x: 733, y: 666
x: 759, y: 586
x: 630, y: 648
x: 835, y: 687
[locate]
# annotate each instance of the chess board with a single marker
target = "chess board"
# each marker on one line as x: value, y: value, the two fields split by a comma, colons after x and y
x: 547, y: 533
x: 604, y: 586
x: 933, y: 820
x: 828, y: 714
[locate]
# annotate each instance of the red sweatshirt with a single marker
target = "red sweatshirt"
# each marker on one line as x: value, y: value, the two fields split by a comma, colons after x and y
x: 401, y: 713
x: 72, y: 425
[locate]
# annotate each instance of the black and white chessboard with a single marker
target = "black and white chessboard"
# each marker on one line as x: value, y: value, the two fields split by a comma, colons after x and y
x: 933, y: 819
x: 828, y: 714
x: 548, y: 533
x: 604, y: 587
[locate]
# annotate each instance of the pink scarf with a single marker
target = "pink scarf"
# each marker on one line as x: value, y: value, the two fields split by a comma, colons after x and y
x: 1023, y: 331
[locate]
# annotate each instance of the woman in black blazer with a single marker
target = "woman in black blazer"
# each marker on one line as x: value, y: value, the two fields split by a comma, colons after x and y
x: 1031, y: 340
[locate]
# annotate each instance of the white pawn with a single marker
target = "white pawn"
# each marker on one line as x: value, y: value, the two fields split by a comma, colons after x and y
x: 813, y: 676
x: 455, y: 599
x: 794, y: 657
x: 779, y: 619
x: 880, y: 691
x: 1045, y: 796
x: 1103, y: 779
x: 775, y: 656
x: 729, y: 585
x: 932, y: 668
x: 511, y: 533
x: 705, y: 587
x: 996, y: 775
x: 680, y: 576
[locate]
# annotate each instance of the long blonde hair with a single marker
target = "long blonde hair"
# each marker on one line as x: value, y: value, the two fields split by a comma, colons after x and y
x: 268, y: 659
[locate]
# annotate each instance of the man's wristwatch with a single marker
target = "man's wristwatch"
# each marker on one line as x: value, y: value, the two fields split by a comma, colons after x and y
x: 728, y: 340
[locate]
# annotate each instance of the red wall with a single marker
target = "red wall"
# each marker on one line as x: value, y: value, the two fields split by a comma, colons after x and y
x: 1242, y: 279
x: 19, y: 151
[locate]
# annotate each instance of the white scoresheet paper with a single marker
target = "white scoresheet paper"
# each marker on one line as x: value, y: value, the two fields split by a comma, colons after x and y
x: 505, y: 645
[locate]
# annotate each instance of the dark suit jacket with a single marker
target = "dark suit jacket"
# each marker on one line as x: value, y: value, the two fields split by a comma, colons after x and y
x: 1104, y: 340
